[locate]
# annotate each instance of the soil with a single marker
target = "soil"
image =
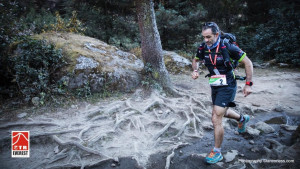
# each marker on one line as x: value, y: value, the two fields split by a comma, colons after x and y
x: 142, y: 129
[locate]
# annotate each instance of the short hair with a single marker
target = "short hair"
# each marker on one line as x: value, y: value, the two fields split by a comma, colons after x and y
x: 214, y: 27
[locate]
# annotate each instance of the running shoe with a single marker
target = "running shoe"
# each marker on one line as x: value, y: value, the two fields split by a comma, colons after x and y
x: 242, y: 125
x: 214, y: 157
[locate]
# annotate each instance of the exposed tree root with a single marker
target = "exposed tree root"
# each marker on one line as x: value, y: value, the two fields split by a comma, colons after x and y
x: 78, y: 145
x: 170, y: 156
x: 184, y: 125
x: 135, y: 124
x: 162, y: 131
x: 168, y: 161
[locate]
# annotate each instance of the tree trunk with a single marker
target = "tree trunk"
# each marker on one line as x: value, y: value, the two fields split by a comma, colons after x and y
x: 151, y: 45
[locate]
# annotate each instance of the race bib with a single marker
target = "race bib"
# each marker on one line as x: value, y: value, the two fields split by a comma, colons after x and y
x: 218, y: 80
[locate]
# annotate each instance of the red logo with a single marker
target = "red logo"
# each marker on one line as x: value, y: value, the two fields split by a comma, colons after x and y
x: 20, y: 144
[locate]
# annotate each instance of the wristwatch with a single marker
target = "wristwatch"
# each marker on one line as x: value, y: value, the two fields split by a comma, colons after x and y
x: 249, y: 83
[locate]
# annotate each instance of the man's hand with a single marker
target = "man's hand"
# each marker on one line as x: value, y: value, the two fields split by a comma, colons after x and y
x: 247, y: 90
x: 195, y: 75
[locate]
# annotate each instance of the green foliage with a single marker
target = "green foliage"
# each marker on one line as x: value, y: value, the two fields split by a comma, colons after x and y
x: 65, y: 25
x: 278, y: 38
x: 109, y: 26
x: 85, y: 91
x: 33, y: 66
x: 179, y: 24
x: 37, y: 21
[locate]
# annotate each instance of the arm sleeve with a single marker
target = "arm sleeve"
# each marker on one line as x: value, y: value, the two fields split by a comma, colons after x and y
x: 200, y: 53
x: 235, y: 52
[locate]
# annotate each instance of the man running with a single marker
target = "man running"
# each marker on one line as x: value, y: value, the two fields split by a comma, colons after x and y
x: 216, y: 57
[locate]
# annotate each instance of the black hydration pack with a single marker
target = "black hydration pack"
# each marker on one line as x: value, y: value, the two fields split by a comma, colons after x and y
x: 228, y: 38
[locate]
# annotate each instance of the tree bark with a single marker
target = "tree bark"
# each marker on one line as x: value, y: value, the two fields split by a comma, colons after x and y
x: 151, y: 44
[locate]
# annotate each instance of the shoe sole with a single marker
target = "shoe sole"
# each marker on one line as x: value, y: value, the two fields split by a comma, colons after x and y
x: 213, y: 162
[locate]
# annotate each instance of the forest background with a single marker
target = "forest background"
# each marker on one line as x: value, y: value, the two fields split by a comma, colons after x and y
x: 266, y: 30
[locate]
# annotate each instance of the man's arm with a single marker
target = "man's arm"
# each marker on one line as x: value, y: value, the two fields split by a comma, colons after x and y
x: 249, y: 72
x: 195, y: 73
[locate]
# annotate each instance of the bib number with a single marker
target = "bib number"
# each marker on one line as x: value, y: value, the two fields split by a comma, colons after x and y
x: 218, y: 80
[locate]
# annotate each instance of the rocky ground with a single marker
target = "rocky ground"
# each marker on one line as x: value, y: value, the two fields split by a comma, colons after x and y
x: 152, y: 130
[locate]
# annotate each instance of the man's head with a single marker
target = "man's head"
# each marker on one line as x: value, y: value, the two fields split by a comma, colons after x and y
x: 210, y: 33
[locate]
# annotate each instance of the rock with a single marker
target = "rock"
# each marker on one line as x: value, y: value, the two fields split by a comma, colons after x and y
x: 230, y: 156
x: 296, y: 135
x: 253, y: 132
x: 202, y: 155
x: 56, y: 150
x: 232, y: 122
x: 254, y: 149
x: 207, y: 125
x: 256, y: 65
x: 113, y: 165
x: 74, y: 106
x: 277, y: 120
x: 35, y: 101
x: 176, y: 63
x: 260, y: 110
x: 94, y: 65
x: 21, y: 115
x: 247, y: 109
x: 288, y: 127
x: 236, y: 133
x: 283, y: 65
x: 220, y: 164
x: 272, y: 62
x: 251, y: 142
x: 237, y: 166
x: 278, y: 108
x: 256, y: 104
x: 264, y: 127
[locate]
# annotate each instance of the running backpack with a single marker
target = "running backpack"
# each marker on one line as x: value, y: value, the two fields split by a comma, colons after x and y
x: 230, y: 38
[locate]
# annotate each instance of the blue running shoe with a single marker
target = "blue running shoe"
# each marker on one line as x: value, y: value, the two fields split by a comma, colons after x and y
x: 214, y: 157
x: 242, y: 125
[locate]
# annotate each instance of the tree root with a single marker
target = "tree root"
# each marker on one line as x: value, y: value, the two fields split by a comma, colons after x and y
x: 199, y: 103
x: 158, y: 113
x: 184, y: 125
x: 170, y: 156
x: 78, y: 145
x: 162, y: 131
x: 168, y: 161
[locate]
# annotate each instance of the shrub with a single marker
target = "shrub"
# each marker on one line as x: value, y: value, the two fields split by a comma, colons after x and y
x: 33, y: 66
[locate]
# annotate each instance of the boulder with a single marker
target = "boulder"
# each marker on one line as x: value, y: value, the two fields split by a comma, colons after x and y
x: 95, y: 64
x: 253, y: 132
x: 175, y: 63
x: 264, y: 127
x: 230, y: 156
x: 283, y: 65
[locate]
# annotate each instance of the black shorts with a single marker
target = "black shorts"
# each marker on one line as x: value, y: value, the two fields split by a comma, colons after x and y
x: 223, y: 96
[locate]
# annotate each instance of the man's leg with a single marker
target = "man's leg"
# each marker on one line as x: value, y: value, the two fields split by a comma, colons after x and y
x: 232, y: 114
x: 242, y: 120
x: 217, y: 115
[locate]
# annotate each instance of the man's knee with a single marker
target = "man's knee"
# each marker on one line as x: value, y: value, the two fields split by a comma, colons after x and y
x: 217, y: 115
x: 216, y: 120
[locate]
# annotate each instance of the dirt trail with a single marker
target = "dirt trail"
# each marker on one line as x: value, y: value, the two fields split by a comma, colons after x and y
x: 152, y: 130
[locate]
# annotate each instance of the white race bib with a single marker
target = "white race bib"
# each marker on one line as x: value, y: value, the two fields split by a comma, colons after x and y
x: 218, y: 80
